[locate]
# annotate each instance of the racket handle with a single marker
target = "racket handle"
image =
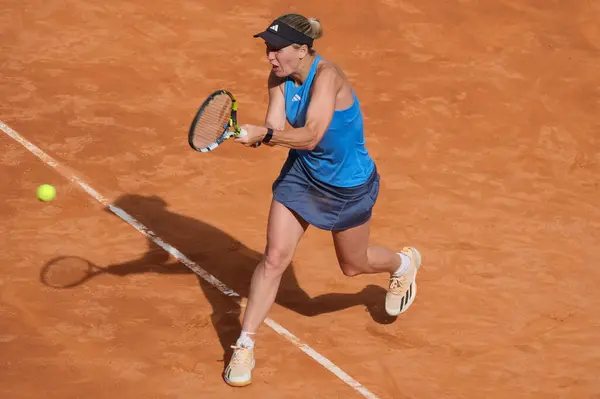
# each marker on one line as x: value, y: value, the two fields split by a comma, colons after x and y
x: 245, y: 133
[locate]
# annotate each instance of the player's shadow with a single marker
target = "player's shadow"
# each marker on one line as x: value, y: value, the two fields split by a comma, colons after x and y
x: 231, y: 262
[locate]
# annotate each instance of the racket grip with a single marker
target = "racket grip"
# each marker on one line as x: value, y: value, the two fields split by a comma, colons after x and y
x: 245, y: 133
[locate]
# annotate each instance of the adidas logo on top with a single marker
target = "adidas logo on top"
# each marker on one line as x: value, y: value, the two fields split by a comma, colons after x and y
x: 296, y: 98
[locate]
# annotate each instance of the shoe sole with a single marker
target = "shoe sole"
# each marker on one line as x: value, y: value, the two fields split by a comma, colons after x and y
x: 238, y: 384
x: 393, y: 312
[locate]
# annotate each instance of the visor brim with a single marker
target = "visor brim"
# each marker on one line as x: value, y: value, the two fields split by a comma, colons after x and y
x: 273, y: 40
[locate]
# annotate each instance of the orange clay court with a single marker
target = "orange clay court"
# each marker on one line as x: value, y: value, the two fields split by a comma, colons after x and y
x: 482, y: 116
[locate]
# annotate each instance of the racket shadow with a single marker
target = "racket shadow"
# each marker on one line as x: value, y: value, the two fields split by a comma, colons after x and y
x: 231, y: 262
x: 66, y: 272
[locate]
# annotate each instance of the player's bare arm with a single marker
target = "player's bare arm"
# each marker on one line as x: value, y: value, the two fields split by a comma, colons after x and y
x: 318, y: 116
x: 275, y: 118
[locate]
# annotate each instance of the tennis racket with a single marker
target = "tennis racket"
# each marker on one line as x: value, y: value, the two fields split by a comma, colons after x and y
x: 213, y: 122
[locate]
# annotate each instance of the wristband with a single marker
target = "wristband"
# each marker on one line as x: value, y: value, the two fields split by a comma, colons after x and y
x: 268, y: 136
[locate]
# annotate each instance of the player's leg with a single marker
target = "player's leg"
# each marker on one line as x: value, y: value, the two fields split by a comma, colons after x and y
x: 355, y: 256
x: 284, y: 231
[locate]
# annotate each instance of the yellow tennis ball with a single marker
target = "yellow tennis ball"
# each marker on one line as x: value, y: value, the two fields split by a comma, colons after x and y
x: 46, y: 192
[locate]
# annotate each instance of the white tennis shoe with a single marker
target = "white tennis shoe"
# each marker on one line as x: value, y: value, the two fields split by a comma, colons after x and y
x: 239, y: 370
x: 403, y: 288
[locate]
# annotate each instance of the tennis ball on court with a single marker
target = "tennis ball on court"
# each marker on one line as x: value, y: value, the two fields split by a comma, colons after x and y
x: 46, y: 192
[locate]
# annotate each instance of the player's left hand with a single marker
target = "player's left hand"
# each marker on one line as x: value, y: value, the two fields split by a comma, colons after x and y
x: 254, y: 134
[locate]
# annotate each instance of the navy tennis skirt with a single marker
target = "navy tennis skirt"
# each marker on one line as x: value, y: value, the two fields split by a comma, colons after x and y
x: 322, y: 205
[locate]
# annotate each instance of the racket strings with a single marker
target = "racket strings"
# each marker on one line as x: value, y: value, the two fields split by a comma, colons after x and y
x: 213, y: 121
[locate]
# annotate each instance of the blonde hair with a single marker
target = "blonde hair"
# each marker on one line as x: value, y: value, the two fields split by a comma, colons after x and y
x: 311, y: 27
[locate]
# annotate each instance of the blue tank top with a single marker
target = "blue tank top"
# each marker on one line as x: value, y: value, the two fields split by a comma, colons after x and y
x: 340, y: 159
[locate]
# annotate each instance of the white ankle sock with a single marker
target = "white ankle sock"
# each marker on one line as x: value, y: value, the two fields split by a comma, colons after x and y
x: 245, y: 340
x: 404, y: 266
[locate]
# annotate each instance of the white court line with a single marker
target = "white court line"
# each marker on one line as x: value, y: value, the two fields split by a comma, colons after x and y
x: 185, y: 260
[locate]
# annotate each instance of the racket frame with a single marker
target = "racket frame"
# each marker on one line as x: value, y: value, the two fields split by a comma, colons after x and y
x: 233, y: 123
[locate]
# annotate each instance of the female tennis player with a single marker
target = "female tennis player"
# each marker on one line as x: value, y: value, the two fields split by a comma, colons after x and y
x: 329, y: 179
